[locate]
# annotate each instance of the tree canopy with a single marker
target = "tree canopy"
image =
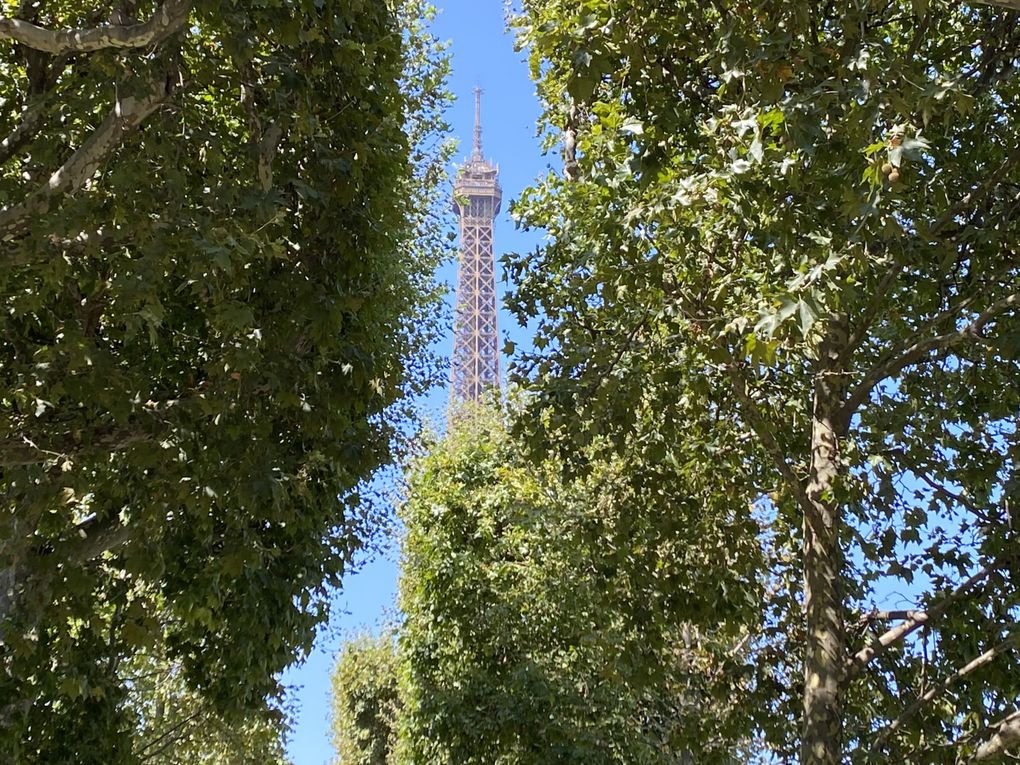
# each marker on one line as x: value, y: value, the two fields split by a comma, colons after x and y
x: 781, y: 264
x: 536, y: 625
x: 218, y: 231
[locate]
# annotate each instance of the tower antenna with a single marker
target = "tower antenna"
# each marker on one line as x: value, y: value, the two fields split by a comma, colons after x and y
x: 476, y: 154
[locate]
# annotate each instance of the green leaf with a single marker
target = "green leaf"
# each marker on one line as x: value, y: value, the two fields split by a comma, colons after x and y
x: 807, y: 317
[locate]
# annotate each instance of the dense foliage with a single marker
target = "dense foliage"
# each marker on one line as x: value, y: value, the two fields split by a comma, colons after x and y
x: 366, y: 701
x: 782, y: 267
x: 218, y: 233
x: 178, y: 725
x: 538, y: 627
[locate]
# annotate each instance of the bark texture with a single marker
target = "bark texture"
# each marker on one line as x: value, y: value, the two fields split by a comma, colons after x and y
x: 825, y: 650
x: 168, y: 18
x: 1006, y: 739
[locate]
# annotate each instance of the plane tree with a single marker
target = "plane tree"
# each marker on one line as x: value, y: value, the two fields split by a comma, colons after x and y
x: 218, y: 232
x: 798, y: 220
x: 545, y: 618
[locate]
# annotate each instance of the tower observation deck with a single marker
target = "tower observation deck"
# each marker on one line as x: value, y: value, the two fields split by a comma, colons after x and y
x: 476, y: 199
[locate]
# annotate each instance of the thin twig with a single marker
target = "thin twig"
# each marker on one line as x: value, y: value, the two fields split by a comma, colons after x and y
x: 896, y: 361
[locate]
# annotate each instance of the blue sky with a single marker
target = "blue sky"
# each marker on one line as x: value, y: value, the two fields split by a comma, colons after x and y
x: 483, y: 55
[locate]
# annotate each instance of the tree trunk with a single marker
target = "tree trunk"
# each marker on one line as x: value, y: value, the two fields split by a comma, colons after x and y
x: 825, y: 651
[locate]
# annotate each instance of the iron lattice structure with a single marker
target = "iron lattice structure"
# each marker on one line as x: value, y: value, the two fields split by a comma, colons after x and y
x: 476, y: 199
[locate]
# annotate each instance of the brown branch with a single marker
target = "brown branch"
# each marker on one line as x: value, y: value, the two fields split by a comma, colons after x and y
x: 981, y: 190
x: 40, y: 69
x: 1006, y: 738
x: 987, y: 657
x: 896, y: 361
x: 918, y: 619
x: 41, y: 83
x: 266, y: 141
x: 571, y: 169
x: 626, y: 345
x: 942, y: 491
x: 953, y: 312
x: 167, y: 19
x: 127, y: 114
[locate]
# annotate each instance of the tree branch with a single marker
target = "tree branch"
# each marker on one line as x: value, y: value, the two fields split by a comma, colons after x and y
x: 127, y: 114
x: 29, y: 123
x: 40, y: 69
x: 91, y: 539
x: 98, y: 537
x: 886, y: 616
x: 895, y: 361
x: 167, y: 19
x: 159, y: 744
x: 1009, y: 642
x: 916, y: 620
x: 991, y: 180
x: 953, y: 312
x: 941, y: 491
x: 267, y: 152
x: 1007, y: 737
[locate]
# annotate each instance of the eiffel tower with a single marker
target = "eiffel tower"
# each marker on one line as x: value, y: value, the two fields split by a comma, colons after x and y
x: 476, y: 199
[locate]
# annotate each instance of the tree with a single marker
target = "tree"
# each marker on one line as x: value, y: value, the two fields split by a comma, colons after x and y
x: 179, y: 726
x: 366, y: 701
x: 218, y: 236
x: 782, y: 260
x: 536, y: 626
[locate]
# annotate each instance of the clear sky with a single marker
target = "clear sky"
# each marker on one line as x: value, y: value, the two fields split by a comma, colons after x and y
x: 483, y: 55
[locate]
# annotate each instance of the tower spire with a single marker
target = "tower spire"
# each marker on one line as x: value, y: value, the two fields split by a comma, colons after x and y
x: 476, y: 154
